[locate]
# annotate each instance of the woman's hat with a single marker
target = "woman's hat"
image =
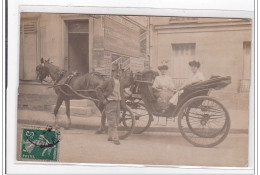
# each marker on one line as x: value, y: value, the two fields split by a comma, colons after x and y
x: 163, y: 65
x: 194, y: 63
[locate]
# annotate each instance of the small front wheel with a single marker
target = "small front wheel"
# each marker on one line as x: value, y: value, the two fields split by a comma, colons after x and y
x: 143, y: 118
x: 203, y: 121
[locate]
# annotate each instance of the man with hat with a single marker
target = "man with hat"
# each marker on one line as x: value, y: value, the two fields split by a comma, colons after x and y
x: 110, y: 94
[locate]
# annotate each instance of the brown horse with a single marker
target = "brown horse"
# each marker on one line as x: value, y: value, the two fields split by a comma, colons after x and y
x: 80, y: 86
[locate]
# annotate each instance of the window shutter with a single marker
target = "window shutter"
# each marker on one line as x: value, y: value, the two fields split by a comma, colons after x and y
x: 30, y: 28
x: 28, y: 49
x: 182, y: 53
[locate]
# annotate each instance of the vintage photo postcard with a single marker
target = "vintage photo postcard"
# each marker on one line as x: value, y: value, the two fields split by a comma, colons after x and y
x: 149, y: 90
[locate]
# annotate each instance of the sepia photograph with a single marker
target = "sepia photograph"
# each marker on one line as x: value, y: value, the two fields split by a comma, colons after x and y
x: 146, y: 90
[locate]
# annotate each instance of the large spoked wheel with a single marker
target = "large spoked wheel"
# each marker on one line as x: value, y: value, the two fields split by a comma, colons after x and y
x: 203, y: 121
x: 143, y: 118
x: 126, y: 123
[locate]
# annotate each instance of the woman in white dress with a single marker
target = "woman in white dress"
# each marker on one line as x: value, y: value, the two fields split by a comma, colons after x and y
x: 164, y: 88
x: 195, y: 77
x: 163, y: 81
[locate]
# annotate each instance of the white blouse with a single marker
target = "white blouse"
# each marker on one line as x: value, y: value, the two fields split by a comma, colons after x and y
x: 163, y: 82
x: 198, y: 76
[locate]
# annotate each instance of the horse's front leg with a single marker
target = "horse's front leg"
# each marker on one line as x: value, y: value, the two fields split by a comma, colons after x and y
x: 67, y: 103
x: 57, y: 107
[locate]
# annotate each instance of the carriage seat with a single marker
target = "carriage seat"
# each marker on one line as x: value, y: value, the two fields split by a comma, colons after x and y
x: 144, y: 81
x: 153, y: 93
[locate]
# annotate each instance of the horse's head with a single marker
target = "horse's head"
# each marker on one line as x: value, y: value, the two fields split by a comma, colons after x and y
x: 42, y: 71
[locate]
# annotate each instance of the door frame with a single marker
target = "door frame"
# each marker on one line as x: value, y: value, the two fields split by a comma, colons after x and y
x: 65, y: 50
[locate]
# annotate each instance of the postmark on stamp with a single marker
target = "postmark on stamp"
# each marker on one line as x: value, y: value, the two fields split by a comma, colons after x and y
x: 40, y: 143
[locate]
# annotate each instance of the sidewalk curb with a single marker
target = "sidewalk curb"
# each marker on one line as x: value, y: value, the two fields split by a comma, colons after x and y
x: 95, y: 127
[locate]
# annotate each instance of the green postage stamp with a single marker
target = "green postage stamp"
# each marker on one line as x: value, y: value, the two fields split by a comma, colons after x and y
x: 41, y: 144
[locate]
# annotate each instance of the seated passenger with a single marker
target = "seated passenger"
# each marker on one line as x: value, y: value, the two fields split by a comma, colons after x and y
x: 195, y: 77
x: 164, y: 88
x: 163, y: 81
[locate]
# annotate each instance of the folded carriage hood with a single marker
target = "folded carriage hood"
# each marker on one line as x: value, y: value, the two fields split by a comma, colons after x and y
x: 215, y: 82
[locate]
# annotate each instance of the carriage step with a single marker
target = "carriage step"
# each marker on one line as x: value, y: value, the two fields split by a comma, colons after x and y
x: 86, y: 111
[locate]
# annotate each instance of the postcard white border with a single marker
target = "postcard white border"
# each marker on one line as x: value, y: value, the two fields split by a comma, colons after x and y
x: 200, y: 8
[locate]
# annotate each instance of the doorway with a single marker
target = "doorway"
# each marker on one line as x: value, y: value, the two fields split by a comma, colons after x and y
x: 78, y: 46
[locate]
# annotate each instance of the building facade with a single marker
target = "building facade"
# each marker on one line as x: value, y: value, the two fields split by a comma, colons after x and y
x: 80, y: 43
x: 87, y: 43
x: 223, y: 47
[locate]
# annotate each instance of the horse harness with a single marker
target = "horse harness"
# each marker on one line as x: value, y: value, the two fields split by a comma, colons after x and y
x: 75, y: 74
x: 61, y: 74
x: 70, y: 76
x: 68, y: 80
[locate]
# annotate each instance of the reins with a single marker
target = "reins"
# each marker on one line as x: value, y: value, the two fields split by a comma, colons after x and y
x: 75, y: 92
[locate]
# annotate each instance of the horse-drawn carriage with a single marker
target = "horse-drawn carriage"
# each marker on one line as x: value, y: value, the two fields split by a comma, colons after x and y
x: 202, y: 120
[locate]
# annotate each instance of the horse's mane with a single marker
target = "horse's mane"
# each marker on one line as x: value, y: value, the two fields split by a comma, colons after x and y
x: 54, y: 68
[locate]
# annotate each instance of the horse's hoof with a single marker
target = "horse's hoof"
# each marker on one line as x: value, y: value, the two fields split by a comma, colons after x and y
x: 100, y: 131
x: 68, y: 126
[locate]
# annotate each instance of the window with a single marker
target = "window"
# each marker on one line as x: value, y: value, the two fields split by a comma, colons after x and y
x: 245, y: 81
x: 184, y: 49
x: 247, y: 58
x: 182, y: 53
x: 28, y: 49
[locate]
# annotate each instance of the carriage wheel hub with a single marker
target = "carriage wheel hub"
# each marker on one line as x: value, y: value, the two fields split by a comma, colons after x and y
x: 204, y: 120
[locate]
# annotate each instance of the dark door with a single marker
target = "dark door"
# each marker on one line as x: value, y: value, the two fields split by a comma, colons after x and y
x: 78, y: 46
